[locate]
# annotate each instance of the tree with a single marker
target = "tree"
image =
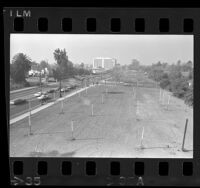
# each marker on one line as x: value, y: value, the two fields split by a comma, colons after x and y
x: 82, y: 65
x: 117, y: 74
x: 19, y: 67
x: 134, y: 64
x: 44, y: 64
x: 61, y: 70
x: 189, y: 96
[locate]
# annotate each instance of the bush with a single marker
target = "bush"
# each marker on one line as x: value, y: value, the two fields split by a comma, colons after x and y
x: 165, y: 83
x: 189, y: 97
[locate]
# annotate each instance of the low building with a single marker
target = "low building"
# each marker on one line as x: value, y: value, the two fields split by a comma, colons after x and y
x: 185, y: 73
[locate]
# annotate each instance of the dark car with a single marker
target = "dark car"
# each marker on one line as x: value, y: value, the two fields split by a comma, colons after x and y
x: 51, y: 91
x: 18, y: 101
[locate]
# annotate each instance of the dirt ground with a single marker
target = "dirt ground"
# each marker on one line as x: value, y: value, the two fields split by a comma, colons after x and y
x: 115, y: 129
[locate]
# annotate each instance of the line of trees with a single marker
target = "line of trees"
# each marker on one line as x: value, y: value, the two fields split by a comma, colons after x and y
x: 19, y: 67
x: 63, y: 68
x: 177, y: 78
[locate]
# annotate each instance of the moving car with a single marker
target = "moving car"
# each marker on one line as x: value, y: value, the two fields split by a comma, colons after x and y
x: 18, y: 101
x: 38, y: 94
x: 43, y: 96
x: 51, y: 91
x: 127, y: 84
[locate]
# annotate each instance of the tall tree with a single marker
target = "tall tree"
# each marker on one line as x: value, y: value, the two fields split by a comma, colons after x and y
x: 62, y: 59
x: 44, y: 64
x: 19, y: 67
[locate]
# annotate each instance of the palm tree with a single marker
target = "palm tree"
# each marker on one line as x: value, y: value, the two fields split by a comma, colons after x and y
x: 61, y: 58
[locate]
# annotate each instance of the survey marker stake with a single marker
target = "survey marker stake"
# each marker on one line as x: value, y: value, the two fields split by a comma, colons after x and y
x: 160, y: 95
x: 92, y: 109
x: 141, y: 143
x: 163, y: 98
x: 29, y: 119
x: 102, y: 98
x: 183, y: 148
x: 168, y: 101
x: 62, y: 112
x: 72, y: 129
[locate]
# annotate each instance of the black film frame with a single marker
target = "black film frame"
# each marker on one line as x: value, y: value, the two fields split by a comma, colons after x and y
x: 127, y: 174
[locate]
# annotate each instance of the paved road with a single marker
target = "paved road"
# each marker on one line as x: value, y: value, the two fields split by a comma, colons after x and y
x: 16, y: 110
x: 29, y: 93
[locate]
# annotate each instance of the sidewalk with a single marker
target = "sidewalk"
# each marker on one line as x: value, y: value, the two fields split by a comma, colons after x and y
x: 16, y: 119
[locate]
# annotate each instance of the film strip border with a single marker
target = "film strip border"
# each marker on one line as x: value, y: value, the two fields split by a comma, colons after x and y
x: 103, y: 20
x: 80, y: 171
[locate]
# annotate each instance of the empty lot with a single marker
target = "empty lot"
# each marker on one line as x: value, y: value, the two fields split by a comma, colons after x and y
x: 114, y: 130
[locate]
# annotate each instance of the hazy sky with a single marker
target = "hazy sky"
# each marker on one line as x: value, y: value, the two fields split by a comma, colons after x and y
x: 147, y: 49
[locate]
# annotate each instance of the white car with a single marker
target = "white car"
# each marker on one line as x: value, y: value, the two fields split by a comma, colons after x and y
x: 38, y: 94
x: 43, y: 96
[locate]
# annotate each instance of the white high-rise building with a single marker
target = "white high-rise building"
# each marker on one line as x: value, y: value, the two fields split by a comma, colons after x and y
x: 103, y: 63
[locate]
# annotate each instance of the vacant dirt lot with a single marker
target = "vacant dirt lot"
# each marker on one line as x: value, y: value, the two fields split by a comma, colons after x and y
x: 114, y: 130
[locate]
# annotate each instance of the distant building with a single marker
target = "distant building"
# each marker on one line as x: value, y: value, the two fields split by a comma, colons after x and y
x: 185, y: 73
x: 103, y: 63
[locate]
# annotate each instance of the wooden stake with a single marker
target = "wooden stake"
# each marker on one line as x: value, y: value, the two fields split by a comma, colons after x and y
x: 142, y: 136
x: 72, y: 129
x: 29, y: 119
x: 62, y: 112
x: 186, y: 123
x: 168, y: 101
x: 92, y: 110
x: 163, y: 98
x: 102, y: 98
x: 160, y: 95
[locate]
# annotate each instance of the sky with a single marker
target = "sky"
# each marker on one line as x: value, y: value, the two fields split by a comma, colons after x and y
x: 147, y: 49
